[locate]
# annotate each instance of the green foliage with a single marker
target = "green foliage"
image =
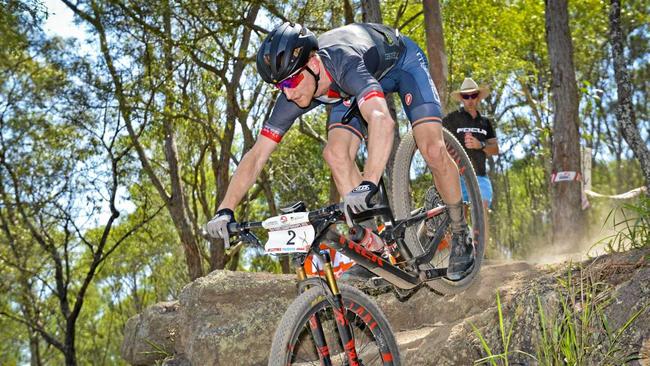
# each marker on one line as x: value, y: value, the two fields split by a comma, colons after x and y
x: 580, y: 333
x: 631, y: 225
x: 299, y: 172
x: 506, y: 337
x: 520, y: 220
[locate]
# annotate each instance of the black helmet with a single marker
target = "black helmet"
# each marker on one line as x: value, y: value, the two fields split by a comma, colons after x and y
x: 285, y: 50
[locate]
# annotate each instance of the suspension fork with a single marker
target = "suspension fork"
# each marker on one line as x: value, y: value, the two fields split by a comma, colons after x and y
x: 316, y: 328
x: 345, y: 331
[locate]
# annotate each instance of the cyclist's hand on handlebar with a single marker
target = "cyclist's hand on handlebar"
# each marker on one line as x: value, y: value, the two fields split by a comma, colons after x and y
x: 358, y: 200
x: 218, y: 226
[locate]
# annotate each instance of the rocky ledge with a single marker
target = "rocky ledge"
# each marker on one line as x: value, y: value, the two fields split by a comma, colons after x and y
x: 228, y: 318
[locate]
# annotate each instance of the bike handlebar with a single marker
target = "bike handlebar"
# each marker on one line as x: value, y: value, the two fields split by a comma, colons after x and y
x: 332, y: 213
x: 331, y: 210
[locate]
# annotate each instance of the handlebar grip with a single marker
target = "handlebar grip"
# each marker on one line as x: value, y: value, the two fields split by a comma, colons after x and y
x: 234, y: 227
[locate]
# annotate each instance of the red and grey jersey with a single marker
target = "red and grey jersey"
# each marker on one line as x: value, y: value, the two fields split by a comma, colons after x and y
x: 354, y: 56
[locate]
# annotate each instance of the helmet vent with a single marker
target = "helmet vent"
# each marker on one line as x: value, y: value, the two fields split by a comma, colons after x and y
x: 296, y: 52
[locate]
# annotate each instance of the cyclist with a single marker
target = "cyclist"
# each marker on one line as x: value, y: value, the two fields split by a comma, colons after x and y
x: 342, y: 63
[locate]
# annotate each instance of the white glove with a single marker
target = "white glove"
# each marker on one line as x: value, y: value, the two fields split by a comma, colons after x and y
x: 218, y: 226
x: 358, y: 200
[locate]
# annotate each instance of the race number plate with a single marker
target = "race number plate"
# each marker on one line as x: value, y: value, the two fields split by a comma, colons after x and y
x: 290, y: 233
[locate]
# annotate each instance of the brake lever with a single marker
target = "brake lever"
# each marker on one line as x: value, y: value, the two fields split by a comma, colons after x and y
x: 249, y: 238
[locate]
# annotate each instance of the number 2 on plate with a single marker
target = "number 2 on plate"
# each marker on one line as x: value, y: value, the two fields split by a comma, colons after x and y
x: 293, y: 236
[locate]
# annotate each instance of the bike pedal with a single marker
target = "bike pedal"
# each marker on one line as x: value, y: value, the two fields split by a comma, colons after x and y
x: 433, y: 273
x: 377, y: 283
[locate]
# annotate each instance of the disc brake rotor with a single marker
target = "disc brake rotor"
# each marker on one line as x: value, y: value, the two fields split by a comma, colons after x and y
x: 432, y: 199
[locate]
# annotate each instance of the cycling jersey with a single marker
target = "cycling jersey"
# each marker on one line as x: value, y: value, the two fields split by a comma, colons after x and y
x: 355, y: 57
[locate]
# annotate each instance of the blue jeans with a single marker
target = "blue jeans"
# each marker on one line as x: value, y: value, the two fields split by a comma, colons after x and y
x: 484, y: 186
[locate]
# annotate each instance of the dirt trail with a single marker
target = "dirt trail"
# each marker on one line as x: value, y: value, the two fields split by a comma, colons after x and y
x: 428, y: 320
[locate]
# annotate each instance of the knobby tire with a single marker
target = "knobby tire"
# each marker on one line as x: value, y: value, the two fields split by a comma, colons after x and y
x: 293, y: 344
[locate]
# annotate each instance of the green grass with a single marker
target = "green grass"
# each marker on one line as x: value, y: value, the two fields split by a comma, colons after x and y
x: 575, y: 332
x: 506, y: 336
x: 631, y: 224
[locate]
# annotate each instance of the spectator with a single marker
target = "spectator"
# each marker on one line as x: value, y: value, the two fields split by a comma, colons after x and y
x: 475, y: 133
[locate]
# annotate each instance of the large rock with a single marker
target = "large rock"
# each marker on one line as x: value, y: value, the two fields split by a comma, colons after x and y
x: 224, y: 318
x: 151, y: 336
x: 229, y: 318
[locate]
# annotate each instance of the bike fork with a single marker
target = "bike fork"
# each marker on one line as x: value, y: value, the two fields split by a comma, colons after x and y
x: 345, y: 332
x: 316, y: 328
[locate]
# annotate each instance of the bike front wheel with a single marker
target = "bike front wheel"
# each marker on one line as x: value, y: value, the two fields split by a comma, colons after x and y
x: 413, y: 187
x: 294, y: 344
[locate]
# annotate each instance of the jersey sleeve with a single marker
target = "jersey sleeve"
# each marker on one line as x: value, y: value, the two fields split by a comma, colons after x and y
x: 282, y: 117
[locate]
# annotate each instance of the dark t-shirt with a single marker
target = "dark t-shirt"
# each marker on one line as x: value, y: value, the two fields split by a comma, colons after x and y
x: 354, y: 57
x: 460, y: 122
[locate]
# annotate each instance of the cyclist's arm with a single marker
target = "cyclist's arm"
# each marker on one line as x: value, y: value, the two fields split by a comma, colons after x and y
x: 282, y: 117
x: 380, y: 136
x: 247, y: 171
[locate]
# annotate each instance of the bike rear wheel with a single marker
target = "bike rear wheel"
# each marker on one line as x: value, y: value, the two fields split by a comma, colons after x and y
x: 293, y: 343
x: 413, y: 187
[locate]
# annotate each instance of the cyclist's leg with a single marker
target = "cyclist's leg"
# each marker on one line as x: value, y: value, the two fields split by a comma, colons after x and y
x: 428, y: 137
x: 343, y: 142
x: 422, y: 106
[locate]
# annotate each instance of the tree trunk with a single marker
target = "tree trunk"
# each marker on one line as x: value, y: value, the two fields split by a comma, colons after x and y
x: 34, y: 349
x: 348, y: 12
x: 177, y: 204
x: 624, y: 109
x: 371, y: 11
x: 567, y: 214
x: 70, y: 350
x: 436, y: 48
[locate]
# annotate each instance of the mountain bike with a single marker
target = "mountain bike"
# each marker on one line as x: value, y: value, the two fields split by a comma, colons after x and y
x: 332, y: 324
x: 412, y: 189
x: 424, y: 247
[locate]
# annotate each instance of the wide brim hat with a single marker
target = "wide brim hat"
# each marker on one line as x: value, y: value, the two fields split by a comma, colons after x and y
x: 469, y: 86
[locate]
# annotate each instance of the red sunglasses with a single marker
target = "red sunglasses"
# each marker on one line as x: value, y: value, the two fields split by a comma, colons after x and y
x: 470, y: 96
x: 292, y: 81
